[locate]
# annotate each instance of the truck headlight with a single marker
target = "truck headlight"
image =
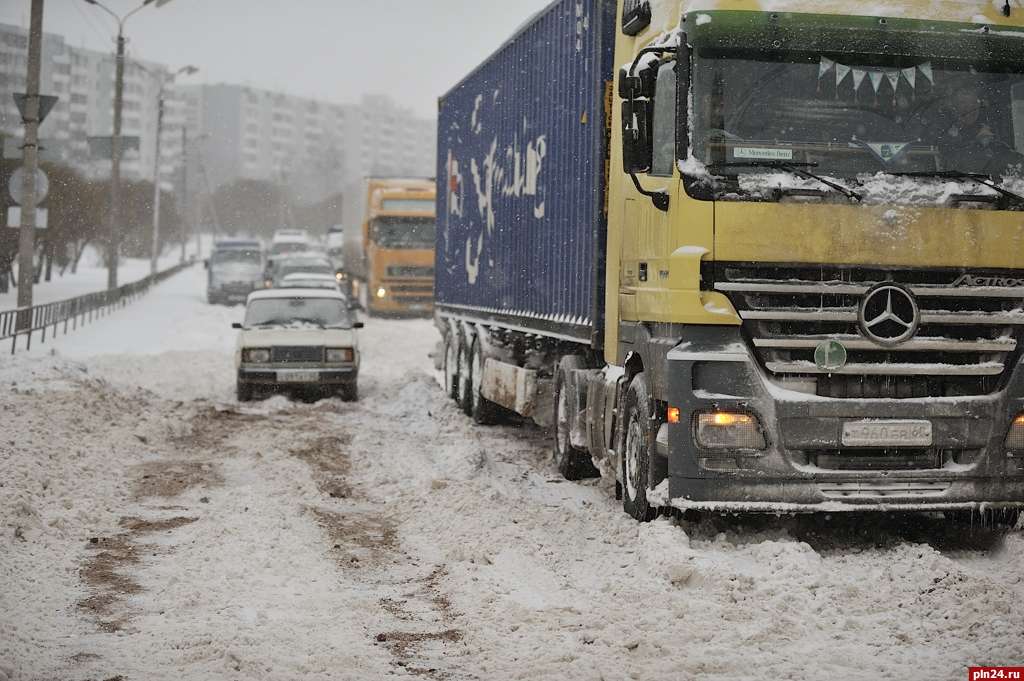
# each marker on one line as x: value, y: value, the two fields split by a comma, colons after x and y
x: 338, y: 355
x: 381, y: 292
x: 256, y: 355
x: 1015, y: 437
x: 728, y: 430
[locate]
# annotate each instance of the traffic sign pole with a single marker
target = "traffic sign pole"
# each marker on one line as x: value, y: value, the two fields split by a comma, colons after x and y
x: 26, y: 242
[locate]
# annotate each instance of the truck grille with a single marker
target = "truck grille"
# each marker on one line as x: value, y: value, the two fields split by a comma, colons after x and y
x: 409, y: 271
x: 966, y: 338
x: 298, y: 353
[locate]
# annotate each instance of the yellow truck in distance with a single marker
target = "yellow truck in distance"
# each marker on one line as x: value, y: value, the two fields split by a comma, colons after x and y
x: 398, y: 247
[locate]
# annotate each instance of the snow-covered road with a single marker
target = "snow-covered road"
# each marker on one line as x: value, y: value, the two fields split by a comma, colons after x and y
x: 153, y: 528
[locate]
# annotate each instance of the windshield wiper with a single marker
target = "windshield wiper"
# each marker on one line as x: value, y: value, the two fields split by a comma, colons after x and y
x: 980, y: 178
x: 792, y: 167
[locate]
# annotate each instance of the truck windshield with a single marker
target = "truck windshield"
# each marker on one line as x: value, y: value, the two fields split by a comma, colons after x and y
x: 404, y: 232
x: 321, y: 312
x: 850, y: 116
x: 235, y: 256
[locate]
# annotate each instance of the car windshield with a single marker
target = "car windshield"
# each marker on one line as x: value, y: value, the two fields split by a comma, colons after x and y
x: 850, y: 115
x: 235, y: 255
x: 306, y: 267
x: 404, y: 232
x: 321, y: 312
x: 280, y: 247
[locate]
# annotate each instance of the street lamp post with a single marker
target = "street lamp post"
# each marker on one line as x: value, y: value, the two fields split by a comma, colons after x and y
x: 155, y: 251
x: 113, y: 236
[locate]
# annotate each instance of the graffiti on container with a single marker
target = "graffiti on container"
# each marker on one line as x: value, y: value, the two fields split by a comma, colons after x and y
x: 506, y: 174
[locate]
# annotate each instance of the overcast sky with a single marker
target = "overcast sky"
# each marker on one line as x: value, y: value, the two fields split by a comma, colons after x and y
x: 336, y: 50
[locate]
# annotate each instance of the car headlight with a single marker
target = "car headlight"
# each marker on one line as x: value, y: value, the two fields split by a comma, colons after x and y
x: 728, y: 430
x: 256, y: 355
x: 337, y: 355
x: 381, y: 292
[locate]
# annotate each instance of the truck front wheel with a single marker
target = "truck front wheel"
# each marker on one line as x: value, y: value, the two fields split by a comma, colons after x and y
x: 638, y: 443
x: 573, y: 463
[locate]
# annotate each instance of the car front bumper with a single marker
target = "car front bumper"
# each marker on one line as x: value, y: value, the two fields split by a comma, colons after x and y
x: 298, y: 377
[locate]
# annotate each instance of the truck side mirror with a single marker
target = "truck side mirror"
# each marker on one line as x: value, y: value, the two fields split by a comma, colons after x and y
x: 637, y: 144
x: 206, y: 264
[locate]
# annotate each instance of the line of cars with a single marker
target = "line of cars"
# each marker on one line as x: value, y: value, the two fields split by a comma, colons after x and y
x: 299, y: 330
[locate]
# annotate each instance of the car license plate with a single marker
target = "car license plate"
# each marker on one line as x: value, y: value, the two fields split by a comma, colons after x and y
x: 298, y: 376
x: 887, y: 433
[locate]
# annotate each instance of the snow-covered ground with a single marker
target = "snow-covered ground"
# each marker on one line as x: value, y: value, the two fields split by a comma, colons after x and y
x: 153, y: 528
x: 92, y: 276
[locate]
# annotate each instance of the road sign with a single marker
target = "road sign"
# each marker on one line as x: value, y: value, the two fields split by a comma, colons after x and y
x: 103, y: 147
x: 14, y: 217
x: 46, y: 103
x: 17, y: 185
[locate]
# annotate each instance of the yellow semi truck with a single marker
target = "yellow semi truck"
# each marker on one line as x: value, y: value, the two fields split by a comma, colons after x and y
x: 761, y: 259
x: 398, y: 247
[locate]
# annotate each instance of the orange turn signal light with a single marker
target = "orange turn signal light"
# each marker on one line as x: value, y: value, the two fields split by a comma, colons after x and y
x: 673, y: 414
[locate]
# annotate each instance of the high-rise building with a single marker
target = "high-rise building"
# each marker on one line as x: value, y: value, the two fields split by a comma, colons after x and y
x: 83, y: 82
x: 314, y: 148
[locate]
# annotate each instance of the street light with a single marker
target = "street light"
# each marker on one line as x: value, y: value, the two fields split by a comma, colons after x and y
x: 113, y: 238
x: 164, y: 81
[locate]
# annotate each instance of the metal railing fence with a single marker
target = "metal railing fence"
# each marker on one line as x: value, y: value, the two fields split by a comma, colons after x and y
x: 69, y: 313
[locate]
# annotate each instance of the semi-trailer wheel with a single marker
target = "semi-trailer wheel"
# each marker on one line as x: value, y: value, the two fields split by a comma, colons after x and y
x: 637, y: 448
x: 465, y: 398
x: 483, y: 411
x: 451, y: 365
x: 573, y: 463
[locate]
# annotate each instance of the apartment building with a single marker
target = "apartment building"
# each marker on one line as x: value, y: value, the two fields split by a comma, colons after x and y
x: 83, y: 81
x: 314, y: 148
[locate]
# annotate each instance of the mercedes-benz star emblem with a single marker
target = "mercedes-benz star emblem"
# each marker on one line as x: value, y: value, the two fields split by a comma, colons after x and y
x: 888, y: 314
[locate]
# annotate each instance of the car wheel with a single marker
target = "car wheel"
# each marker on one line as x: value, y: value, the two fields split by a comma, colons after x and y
x: 483, y: 411
x: 244, y: 391
x: 451, y: 365
x: 465, y: 381
x: 573, y: 463
x: 638, y: 443
x: 349, y: 392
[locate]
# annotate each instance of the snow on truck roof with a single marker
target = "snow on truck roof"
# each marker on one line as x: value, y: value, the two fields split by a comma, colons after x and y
x: 272, y: 293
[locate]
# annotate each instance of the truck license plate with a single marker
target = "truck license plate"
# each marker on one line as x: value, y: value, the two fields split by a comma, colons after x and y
x: 889, y: 433
x: 298, y: 376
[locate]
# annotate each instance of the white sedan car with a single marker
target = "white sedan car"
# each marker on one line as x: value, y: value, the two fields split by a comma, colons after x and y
x: 295, y: 339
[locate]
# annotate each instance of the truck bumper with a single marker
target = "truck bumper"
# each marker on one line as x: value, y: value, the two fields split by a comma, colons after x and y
x: 806, y: 467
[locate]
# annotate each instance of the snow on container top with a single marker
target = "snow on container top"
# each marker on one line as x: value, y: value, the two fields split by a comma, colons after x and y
x: 520, y: 179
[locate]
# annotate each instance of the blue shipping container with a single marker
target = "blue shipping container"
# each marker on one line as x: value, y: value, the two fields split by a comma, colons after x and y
x: 522, y: 151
